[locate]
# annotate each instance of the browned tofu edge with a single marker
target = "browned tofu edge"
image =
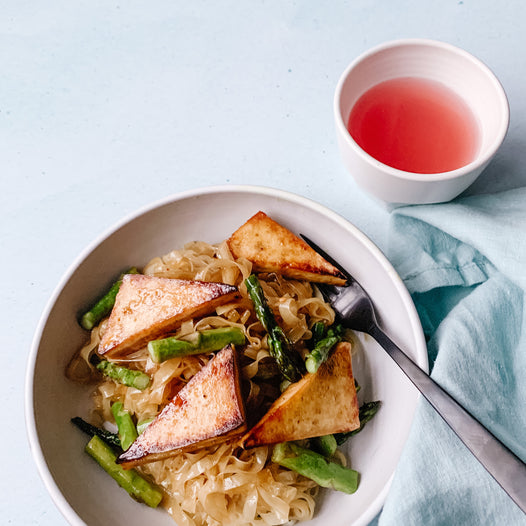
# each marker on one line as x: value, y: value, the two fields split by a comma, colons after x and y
x: 320, y: 272
x: 256, y: 436
x: 137, y: 340
x: 232, y: 428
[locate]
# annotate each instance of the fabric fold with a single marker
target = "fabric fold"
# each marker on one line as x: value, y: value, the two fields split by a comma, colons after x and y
x: 464, y: 264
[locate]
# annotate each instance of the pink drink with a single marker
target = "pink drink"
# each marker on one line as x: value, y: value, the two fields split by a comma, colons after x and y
x: 416, y: 125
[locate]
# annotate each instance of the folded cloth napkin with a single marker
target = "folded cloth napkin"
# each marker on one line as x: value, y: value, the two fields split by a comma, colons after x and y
x: 464, y: 264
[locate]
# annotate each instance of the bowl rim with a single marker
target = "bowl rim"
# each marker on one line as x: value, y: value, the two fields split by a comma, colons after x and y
x: 31, y: 432
x: 477, y: 163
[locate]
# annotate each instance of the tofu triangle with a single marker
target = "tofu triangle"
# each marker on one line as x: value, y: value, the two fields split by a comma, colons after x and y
x: 147, y: 307
x: 319, y: 404
x: 273, y: 248
x: 208, y: 410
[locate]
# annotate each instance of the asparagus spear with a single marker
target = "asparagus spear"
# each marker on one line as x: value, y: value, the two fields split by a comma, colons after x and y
x: 288, y: 359
x: 141, y: 426
x: 123, y: 375
x: 318, y: 332
x: 323, y: 347
x: 104, y: 305
x: 127, y: 429
x: 326, y: 445
x: 110, y: 438
x: 199, y: 342
x: 139, y: 488
x: 367, y: 411
x: 316, y: 467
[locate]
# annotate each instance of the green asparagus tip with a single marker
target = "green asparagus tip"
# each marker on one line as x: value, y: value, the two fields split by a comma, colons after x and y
x: 366, y: 412
x: 111, y: 439
x: 322, y: 348
x: 125, y: 425
x: 104, y: 305
x: 288, y: 359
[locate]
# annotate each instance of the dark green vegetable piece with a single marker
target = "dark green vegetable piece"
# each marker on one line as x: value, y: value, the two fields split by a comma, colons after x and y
x: 199, y: 342
x: 326, y: 445
x: 127, y: 429
x: 104, y: 305
x: 318, y: 332
x: 323, y: 347
x: 284, y: 385
x: 139, y: 488
x: 316, y: 467
x: 110, y: 438
x: 290, y: 363
x: 267, y: 369
x: 367, y: 411
x: 123, y: 375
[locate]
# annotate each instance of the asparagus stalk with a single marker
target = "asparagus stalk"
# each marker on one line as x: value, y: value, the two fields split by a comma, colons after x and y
x: 366, y: 412
x: 139, y: 488
x: 322, y: 349
x: 289, y: 361
x: 318, y: 332
x: 127, y: 429
x: 123, y: 375
x: 110, y: 438
x: 326, y: 445
x: 199, y: 342
x: 316, y: 467
x: 104, y: 305
x: 141, y: 426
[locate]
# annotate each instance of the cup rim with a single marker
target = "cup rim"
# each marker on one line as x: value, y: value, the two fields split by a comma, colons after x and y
x: 481, y: 159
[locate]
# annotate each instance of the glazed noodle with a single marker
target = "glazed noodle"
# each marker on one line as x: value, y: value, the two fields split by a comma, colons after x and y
x: 221, y: 484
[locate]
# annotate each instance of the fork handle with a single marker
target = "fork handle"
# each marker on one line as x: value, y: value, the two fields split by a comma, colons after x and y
x: 501, y: 463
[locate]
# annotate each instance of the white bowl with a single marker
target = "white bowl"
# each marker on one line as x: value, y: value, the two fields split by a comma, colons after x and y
x: 82, y: 491
x: 438, y: 61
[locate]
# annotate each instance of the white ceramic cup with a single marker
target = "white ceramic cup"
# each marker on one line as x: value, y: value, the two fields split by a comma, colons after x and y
x: 455, y: 68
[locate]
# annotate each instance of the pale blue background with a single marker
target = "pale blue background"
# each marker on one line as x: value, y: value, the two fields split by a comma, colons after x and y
x: 108, y: 106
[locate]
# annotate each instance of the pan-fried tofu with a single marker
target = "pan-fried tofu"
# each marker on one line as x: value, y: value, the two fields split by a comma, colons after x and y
x: 208, y: 410
x: 319, y: 404
x: 273, y: 248
x: 148, y: 307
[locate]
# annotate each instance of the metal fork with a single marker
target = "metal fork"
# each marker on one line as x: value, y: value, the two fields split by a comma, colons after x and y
x: 355, y: 310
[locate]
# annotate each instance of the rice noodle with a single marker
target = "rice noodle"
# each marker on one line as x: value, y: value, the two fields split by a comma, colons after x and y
x: 221, y: 484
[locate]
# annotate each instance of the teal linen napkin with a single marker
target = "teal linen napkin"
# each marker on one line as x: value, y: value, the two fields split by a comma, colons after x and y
x: 464, y: 264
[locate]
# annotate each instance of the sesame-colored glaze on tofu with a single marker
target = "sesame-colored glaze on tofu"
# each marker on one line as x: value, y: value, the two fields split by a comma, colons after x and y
x: 148, y: 307
x: 319, y: 404
x: 273, y: 248
x: 209, y: 409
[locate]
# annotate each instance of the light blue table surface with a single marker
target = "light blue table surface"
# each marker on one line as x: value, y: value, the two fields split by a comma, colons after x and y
x: 108, y: 106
